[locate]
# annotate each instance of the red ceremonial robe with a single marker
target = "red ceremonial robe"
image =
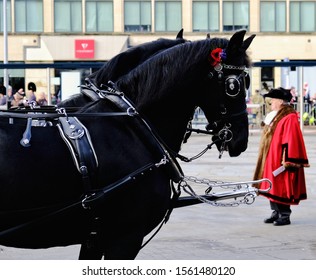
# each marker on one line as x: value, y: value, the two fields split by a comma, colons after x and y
x: 286, y: 148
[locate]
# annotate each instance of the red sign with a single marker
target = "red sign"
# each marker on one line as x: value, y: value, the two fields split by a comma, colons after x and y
x: 84, y: 48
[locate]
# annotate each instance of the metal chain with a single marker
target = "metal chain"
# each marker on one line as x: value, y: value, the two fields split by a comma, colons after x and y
x: 233, y: 67
x: 246, y: 192
x: 201, y: 181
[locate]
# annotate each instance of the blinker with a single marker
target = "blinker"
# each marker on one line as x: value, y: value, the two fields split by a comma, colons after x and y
x: 232, y: 86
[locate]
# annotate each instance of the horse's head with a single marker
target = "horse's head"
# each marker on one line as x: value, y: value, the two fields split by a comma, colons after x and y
x: 229, y: 122
x: 208, y: 73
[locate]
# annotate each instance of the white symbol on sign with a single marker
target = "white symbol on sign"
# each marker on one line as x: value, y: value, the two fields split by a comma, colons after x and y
x: 84, y: 45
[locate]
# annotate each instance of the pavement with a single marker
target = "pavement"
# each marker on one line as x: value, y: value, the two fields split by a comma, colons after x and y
x: 207, y: 232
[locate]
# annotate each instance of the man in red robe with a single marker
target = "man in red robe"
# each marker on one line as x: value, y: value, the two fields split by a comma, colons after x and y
x: 282, y: 157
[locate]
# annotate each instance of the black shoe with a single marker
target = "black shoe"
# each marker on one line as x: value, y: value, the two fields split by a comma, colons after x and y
x: 270, y: 220
x: 282, y: 221
x: 274, y: 217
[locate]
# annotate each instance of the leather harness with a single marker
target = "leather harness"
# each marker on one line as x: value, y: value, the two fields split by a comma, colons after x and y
x: 78, y: 140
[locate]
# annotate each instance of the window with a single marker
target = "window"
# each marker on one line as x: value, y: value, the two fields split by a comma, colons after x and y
x: 9, y: 27
x: 68, y: 15
x: 16, y: 77
x: 137, y: 16
x: 99, y: 16
x: 168, y: 16
x: 28, y: 15
x: 273, y: 16
x: 267, y: 73
x: 205, y: 16
x: 302, y: 16
x: 235, y: 15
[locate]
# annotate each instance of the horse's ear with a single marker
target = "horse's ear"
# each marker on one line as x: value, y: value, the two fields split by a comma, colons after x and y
x: 180, y: 34
x: 247, y: 42
x: 237, y: 43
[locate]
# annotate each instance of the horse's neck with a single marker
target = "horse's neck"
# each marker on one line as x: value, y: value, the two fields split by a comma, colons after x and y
x: 170, y: 126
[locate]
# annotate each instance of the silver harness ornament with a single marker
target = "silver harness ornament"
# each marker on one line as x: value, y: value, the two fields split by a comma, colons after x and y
x: 237, y: 192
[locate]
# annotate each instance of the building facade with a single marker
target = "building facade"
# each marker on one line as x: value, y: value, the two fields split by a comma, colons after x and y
x: 96, y: 30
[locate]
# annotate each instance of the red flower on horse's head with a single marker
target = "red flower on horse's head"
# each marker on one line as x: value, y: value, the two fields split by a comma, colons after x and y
x: 216, y: 56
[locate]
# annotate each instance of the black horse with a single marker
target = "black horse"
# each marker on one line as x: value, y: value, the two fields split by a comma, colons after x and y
x: 102, y: 177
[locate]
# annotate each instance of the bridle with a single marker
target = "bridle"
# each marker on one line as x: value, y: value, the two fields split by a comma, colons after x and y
x: 230, y: 87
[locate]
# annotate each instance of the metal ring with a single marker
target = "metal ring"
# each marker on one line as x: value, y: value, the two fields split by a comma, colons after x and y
x: 131, y: 111
x: 224, y: 133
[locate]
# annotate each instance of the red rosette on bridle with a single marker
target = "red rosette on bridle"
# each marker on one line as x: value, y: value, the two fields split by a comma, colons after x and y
x: 216, y: 56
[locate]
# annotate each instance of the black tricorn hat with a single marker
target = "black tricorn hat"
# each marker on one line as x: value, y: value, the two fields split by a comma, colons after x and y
x: 279, y: 93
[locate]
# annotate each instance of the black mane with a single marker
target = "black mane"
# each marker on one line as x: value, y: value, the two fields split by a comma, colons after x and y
x: 163, y: 73
x: 121, y: 64
x: 132, y: 57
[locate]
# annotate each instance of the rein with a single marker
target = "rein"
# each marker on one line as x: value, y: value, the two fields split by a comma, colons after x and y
x: 43, y: 115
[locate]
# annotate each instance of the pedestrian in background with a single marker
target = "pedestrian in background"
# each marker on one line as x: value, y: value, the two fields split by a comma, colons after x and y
x: 3, y: 96
x: 18, y: 99
x: 31, y: 93
x: 282, y: 156
x: 41, y: 99
x: 294, y: 94
x: 9, y: 94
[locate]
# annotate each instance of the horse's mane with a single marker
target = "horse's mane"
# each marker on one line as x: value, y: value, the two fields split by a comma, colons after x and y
x: 121, y: 64
x: 164, y: 72
x: 130, y: 58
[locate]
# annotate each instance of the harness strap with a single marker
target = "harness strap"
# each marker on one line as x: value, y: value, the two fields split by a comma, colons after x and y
x: 96, y: 196
x: 78, y: 140
x: 86, y: 90
x: 25, y: 141
x: 112, y: 94
x: 45, y: 115
x: 123, y: 103
x: 220, y: 77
